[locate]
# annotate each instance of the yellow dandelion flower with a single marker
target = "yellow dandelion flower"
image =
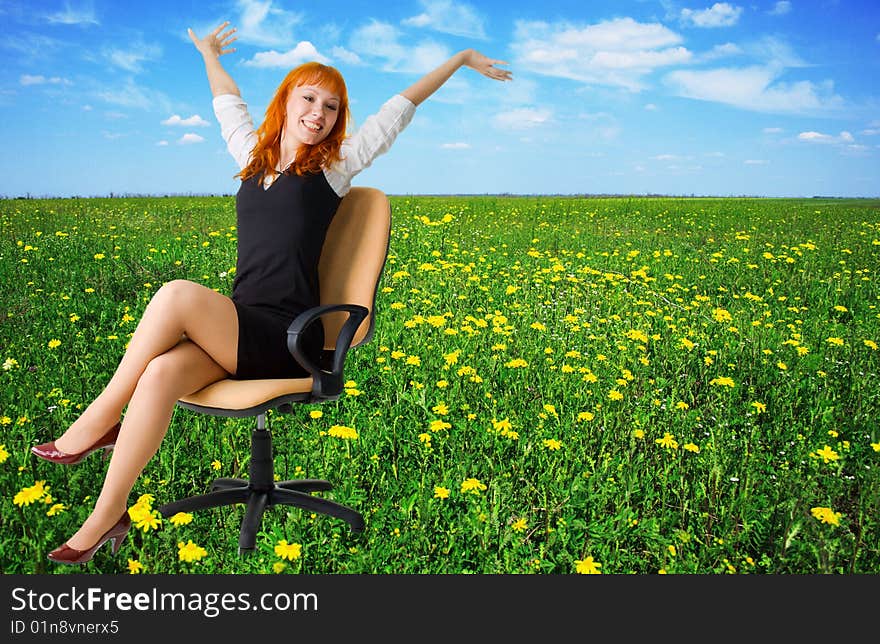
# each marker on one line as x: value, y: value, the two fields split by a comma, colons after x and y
x: 29, y: 495
x: 441, y: 492
x: 441, y: 409
x: 760, y: 407
x: 586, y: 416
x: 826, y: 454
x: 639, y: 433
x: 99, y: 255
x: 278, y: 567
x: 472, y: 485
x: 289, y: 551
x: 148, y: 520
x: 588, y: 566
x: 425, y: 438
x: 723, y: 381
x: 826, y: 515
x: 868, y: 343
x: 639, y: 336
x: 835, y: 341
x: 520, y: 525
x: 722, y: 315
x: 54, y: 343
x: 216, y: 465
x: 876, y: 446
x: 517, y: 363
x: 341, y: 431
x: 782, y: 366
x: 57, y: 508
x: 3, y: 453
x: 691, y: 447
x: 190, y: 552
x: 181, y: 518
x: 668, y: 441
x: 414, y: 361
x: 682, y: 405
x: 615, y: 395
x: 552, y: 444
x: 438, y: 425
x: 135, y: 567
x: 538, y: 326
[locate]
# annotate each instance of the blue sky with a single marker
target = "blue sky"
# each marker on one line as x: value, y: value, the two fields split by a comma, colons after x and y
x: 777, y: 99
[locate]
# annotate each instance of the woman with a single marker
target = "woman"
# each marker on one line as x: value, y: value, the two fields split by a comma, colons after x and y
x: 295, y: 169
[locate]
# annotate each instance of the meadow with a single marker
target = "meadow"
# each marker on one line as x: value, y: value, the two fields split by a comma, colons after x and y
x: 556, y: 385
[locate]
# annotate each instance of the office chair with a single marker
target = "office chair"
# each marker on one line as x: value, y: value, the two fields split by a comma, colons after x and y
x: 351, y: 264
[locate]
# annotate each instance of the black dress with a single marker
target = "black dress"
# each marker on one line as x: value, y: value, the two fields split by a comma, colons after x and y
x: 281, y: 231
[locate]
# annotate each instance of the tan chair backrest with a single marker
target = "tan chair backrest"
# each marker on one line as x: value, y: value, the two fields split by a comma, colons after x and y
x: 352, y: 259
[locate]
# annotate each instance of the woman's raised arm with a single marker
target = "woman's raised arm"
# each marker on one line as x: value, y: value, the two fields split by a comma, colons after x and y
x: 211, y: 47
x: 432, y: 81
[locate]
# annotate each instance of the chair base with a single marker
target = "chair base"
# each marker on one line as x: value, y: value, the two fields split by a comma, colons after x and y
x: 227, y: 491
x: 261, y: 491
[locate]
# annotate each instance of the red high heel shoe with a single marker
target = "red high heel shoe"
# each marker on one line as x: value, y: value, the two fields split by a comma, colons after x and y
x: 67, y: 555
x: 49, y: 452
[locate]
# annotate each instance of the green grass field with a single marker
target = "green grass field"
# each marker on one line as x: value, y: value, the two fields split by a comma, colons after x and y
x: 556, y: 385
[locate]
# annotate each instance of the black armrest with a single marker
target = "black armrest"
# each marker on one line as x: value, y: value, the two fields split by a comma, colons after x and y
x: 327, y: 384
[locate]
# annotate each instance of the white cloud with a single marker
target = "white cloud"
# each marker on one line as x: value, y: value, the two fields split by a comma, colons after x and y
x: 772, y: 130
x: 131, y: 59
x: 720, y: 14
x: 39, y: 79
x: 302, y: 53
x: 449, y: 17
x: 162, y: 143
x: 456, y: 146
x: 650, y: 107
x: 617, y: 52
x: 260, y: 23
x: 756, y: 162
x: 84, y: 15
x: 819, y: 137
x: 193, y: 121
x: 521, y: 119
x: 755, y: 88
x: 780, y: 8
x: 190, y: 138
x: 725, y: 50
x: 382, y: 40
x: 346, y: 56
x: 133, y: 95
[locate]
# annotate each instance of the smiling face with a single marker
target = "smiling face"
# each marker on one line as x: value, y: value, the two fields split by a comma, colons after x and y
x: 311, y: 114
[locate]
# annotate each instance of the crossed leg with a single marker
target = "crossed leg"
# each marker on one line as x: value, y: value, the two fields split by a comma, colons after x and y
x: 158, y: 368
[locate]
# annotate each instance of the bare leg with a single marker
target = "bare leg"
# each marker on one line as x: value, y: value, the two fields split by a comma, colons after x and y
x: 182, y: 370
x: 180, y: 307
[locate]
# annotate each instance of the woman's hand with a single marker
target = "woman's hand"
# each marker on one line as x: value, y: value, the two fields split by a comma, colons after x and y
x: 486, y: 66
x: 215, y: 44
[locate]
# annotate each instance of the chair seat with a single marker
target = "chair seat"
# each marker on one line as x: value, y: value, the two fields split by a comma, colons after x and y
x: 245, y: 395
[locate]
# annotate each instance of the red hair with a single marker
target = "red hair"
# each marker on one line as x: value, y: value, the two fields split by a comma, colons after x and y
x: 309, y: 158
